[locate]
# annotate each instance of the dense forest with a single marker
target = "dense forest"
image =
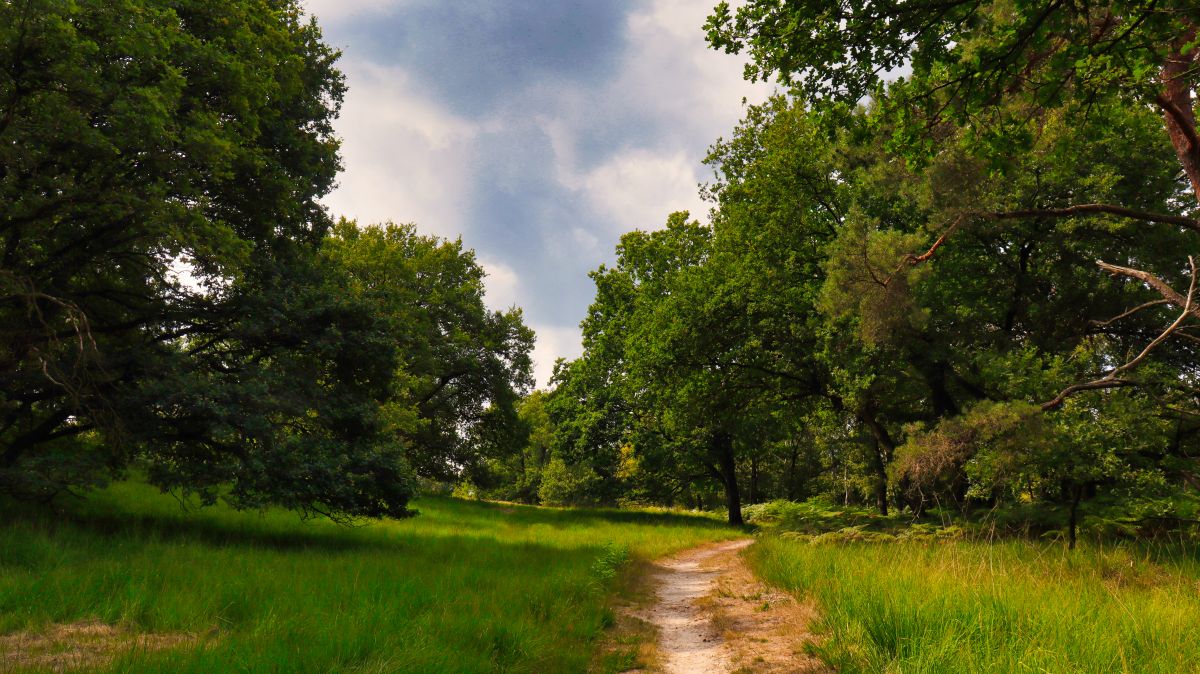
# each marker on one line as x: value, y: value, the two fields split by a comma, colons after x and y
x: 948, y: 271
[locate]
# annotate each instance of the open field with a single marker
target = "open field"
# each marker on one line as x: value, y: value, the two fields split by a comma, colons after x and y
x: 1000, y: 607
x: 464, y: 587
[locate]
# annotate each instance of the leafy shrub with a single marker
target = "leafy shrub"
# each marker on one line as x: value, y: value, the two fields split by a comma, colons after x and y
x: 610, y: 561
x: 818, y: 520
x: 564, y: 485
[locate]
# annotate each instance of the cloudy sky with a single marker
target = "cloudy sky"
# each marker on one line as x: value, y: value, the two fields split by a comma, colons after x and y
x: 538, y: 130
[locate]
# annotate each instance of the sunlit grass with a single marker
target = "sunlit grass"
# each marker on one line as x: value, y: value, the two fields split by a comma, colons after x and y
x: 464, y: 587
x: 995, y: 607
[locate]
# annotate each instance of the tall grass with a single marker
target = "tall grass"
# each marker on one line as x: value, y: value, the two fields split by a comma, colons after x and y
x: 464, y: 587
x: 1001, y: 607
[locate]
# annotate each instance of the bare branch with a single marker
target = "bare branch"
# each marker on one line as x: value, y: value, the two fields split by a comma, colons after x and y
x: 1097, y: 384
x: 1096, y: 209
x: 1160, y: 286
x: 917, y: 259
x: 1112, y: 378
x: 1126, y: 314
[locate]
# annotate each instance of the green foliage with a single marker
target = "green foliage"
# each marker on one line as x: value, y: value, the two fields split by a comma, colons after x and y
x: 963, y: 59
x: 287, y: 411
x: 517, y: 475
x: 136, y: 134
x: 461, y: 368
x: 564, y: 485
x: 819, y: 521
x: 861, y: 326
x: 932, y: 458
x: 466, y: 587
x: 145, y: 140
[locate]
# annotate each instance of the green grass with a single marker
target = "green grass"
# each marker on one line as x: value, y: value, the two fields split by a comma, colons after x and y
x: 464, y: 587
x: 994, y: 607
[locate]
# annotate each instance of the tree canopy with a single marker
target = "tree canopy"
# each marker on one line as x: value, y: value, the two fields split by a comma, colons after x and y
x: 171, y: 296
x: 902, y: 295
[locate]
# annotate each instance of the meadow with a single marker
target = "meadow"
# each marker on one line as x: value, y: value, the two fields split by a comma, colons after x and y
x: 1008, y: 606
x: 463, y: 587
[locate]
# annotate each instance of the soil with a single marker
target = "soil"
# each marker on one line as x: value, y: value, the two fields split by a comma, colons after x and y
x: 713, y: 616
x: 81, y: 645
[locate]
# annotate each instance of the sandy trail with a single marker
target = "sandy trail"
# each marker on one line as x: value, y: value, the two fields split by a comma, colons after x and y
x: 714, y: 617
x: 688, y: 640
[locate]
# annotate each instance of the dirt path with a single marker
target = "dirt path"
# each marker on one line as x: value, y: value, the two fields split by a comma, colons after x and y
x: 714, y: 617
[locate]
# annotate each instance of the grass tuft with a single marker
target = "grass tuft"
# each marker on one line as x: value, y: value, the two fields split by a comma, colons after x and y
x: 1013, y: 606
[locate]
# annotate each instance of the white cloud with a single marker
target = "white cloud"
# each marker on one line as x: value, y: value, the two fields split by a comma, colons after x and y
x: 336, y: 10
x: 405, y: 158
x: 554, y: 342
x: 696, y: 91
x: 672, y: 82
x: 638, y: 188
x: 409, y: 157
x: 502, y: 285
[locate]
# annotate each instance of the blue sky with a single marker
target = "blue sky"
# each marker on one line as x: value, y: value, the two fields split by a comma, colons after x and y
x: 537, y: 130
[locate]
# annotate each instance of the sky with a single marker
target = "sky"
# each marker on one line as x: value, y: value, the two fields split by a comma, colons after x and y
x: 537, y: 130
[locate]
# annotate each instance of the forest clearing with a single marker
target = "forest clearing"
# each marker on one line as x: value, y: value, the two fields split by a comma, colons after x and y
x: 554, y: 337
x: 463, y: 587
x: 130, y: 581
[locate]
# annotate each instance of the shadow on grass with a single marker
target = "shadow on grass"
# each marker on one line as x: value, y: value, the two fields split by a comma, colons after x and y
x: 566, y: 517
x: 286, y: 531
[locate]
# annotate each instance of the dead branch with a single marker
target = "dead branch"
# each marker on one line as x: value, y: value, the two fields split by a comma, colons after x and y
x: 1129, y: 313
x: 913, y: 259
x: 1098, y: 384
x: 1112, y: 378
x: 1160, y: 286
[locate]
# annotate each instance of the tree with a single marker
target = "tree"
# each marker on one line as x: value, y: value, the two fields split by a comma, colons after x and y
x: 992, y: 70
x: 138, y: 138
x: 290, y: 406
x: 1029, y: 128
x: 462, y: 369
x: 967, y: 57
x: 518, y: 473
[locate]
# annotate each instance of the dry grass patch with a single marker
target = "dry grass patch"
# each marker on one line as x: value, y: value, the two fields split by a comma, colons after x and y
x: 766, y: 630
x: 79, y: 645
x: 629, y: 645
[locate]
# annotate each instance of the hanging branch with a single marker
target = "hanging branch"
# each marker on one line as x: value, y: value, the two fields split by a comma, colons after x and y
x: 1113, y: 379
x: 1127, y: 314
x: 913, y: 259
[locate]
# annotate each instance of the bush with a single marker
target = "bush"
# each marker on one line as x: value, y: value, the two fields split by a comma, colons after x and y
x: 564, y: 485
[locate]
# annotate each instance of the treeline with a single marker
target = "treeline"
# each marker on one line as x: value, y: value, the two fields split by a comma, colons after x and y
x: 175, y: 299
x: 965, y: 287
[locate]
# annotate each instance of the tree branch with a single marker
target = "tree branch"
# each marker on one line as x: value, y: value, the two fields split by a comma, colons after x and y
x: 913, y: 259
x: 1126, y: 314
x: 1112, y: 380
x: 1160, y: 286
x: 1093, y: 209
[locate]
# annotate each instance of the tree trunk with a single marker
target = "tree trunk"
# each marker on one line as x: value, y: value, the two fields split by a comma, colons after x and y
x: 1073, y: 521
x: 791, y: 483
x: 845, y: 484
x: 883, y: 448
x: 722, y: 449
x: 881, y: 500
x: 1175, y: 100
x: 754, y: 479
